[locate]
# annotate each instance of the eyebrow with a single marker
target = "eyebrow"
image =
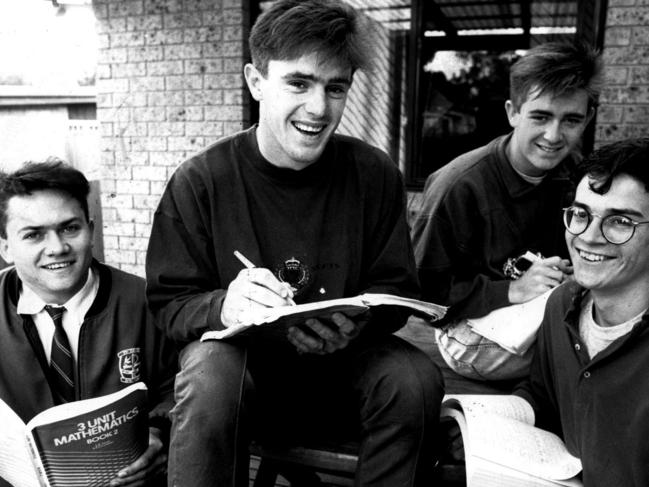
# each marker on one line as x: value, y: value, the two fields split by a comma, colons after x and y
x: 310, y: 77
x: 31, y: 228
x: 614, y: 211
x: 565, y: 115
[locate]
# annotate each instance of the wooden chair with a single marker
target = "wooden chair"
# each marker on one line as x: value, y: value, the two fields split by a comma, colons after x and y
x: 300, y: 465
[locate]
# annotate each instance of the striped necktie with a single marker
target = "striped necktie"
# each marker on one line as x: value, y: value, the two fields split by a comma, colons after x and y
x: 61, y: 360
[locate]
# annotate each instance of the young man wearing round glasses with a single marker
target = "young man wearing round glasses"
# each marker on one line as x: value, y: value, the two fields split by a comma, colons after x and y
x: 589, y: 379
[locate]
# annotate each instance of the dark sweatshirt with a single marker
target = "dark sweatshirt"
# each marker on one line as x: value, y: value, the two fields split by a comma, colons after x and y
x: 477, y: 212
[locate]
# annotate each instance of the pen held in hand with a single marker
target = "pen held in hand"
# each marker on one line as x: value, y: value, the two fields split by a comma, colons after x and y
x: 249, y: 265
x: 244, y: 260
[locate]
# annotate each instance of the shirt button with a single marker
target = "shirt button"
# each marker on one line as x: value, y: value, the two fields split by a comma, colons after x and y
x: 586, y: 374
x: 577, y: 346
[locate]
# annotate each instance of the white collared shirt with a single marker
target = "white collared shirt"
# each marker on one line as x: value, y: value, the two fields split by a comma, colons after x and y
x: 29, y: 303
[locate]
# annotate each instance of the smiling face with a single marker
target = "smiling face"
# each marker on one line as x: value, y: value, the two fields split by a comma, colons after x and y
x: 609, y: 270
x: 546, y: 130
x: 50, y: 242
x: 301, y: 103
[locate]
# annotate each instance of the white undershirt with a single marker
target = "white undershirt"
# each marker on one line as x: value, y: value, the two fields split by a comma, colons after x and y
x: 29, y: 303
x: 596, y: 337
x: 535, y: 180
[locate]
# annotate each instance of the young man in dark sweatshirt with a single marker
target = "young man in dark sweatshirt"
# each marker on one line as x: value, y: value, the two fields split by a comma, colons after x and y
x: 321, y: 216
x: 488, y: 207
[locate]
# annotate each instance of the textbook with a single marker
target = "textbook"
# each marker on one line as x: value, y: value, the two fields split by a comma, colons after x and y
x: 80, y: 443
x: 290, y: 315
x: 503, y: 448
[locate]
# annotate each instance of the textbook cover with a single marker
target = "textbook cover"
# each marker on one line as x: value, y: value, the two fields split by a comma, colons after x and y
x: 82, y: 443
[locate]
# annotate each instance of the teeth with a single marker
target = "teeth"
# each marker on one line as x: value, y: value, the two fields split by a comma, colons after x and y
x: 591, y: 257
x: 548, y: 149
x: 59, y: 265
x: 308, y: 128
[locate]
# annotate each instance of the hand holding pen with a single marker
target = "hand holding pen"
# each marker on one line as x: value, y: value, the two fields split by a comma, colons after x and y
x: 542, y: 275
x: 254, y: 288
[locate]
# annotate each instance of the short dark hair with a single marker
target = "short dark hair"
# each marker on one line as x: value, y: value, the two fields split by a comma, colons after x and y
x: 630, y: 156
x: 558, y: 68
x: 292, y: 28
x: 51, y: 174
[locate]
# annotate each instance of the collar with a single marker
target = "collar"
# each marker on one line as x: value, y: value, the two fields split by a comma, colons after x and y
x: 313, y: 173
x: 577, y: 296
x: 30, y: 303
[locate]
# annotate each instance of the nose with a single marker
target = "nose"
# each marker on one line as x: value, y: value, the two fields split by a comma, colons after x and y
x: 316, y: 103
x: 593, y: 232
x: 55, y: 244
x: 553, y: 131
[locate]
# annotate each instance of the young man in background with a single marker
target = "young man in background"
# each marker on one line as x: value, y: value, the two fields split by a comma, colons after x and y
x: 488, y: 207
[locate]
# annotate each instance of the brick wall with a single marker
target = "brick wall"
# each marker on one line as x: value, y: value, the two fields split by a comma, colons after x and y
x: 624, y: 103
x: 169, y: 83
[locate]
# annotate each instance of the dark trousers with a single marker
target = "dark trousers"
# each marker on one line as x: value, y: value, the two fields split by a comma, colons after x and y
x: 382, y: 391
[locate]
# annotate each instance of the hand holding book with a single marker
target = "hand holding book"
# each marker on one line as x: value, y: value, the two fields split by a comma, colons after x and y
x: 152, y: 464
x: 320, y: 338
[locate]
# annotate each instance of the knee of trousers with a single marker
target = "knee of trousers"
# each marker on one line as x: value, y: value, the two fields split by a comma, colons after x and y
x: 210, y: 385
x: 406, y: 384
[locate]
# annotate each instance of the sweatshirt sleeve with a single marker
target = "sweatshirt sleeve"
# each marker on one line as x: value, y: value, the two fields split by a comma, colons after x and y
x: 389, y: 262
x: 448, y: 245
x: 183, y: 288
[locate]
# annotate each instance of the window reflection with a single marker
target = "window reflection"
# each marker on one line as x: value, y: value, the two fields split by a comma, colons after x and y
x: 464, y: 94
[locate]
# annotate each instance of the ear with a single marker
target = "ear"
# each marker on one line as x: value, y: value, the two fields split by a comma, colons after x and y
x: 254, y: 80
x: 91, y: 227
x: 591, y: 113
x: 4, y: 251
x: 512, y: 114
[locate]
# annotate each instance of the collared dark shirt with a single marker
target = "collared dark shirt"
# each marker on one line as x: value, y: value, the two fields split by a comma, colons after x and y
x: 600, y: 406
x: 476, y: 213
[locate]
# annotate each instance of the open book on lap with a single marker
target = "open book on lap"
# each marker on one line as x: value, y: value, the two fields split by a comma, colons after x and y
x: 502, y: 446
x: 79, y: 443
x: 291, y: 315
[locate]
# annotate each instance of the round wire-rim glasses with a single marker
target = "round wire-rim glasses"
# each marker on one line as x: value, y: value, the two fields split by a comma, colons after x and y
x: 616, y: 229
